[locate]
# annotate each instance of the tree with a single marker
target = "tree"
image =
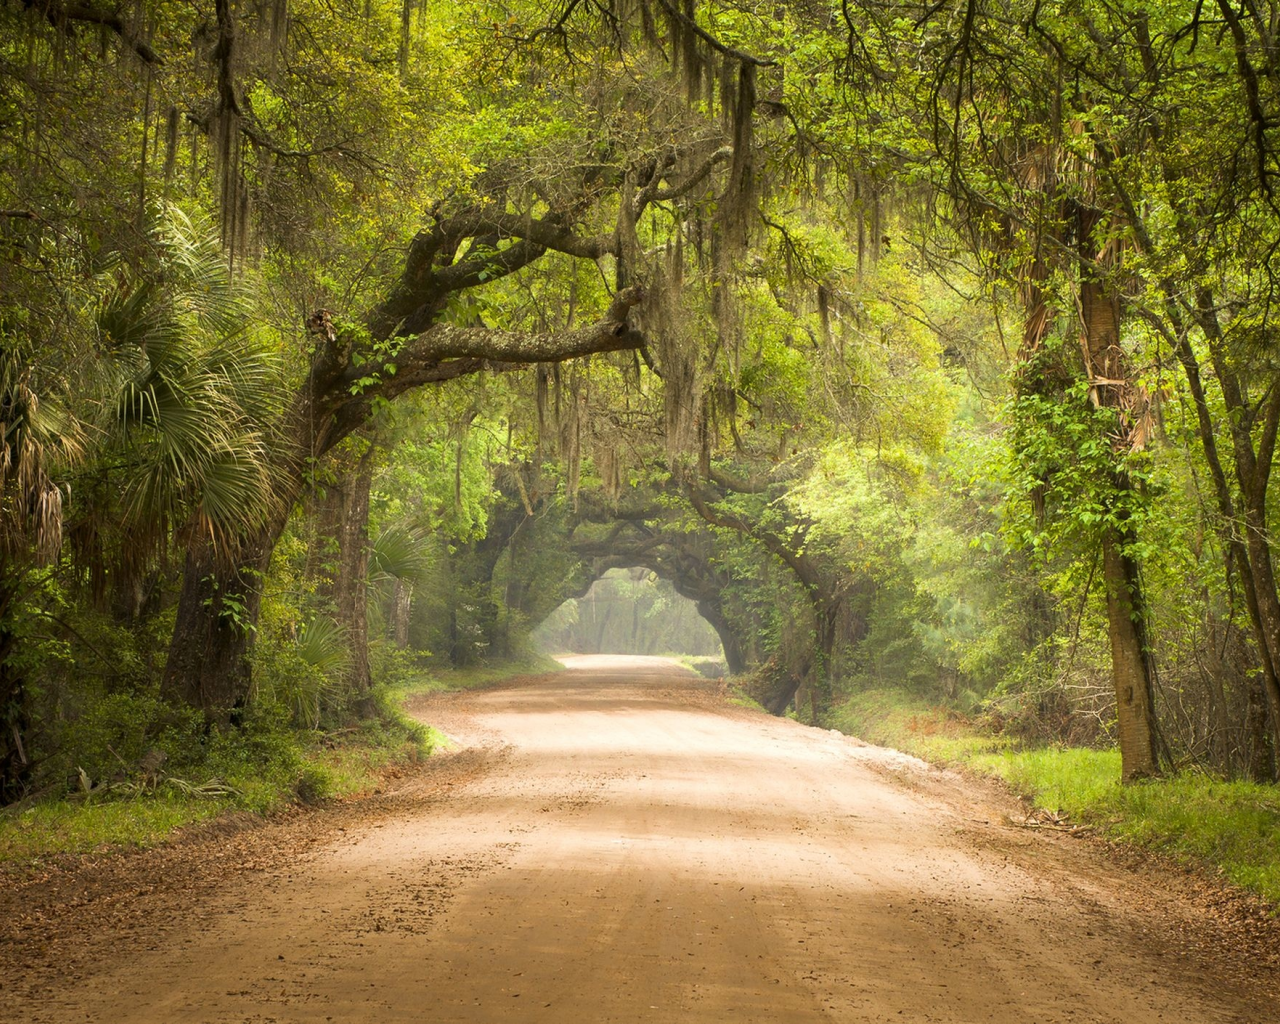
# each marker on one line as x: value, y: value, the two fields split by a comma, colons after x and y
x: 155, y: 422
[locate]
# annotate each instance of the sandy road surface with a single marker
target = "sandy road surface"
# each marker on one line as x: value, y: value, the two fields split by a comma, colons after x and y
x: 627, y: 848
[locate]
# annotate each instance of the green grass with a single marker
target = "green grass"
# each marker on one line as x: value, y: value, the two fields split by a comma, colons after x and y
x: 61, y: 827
x: 707, y: 666
x: 446, y: 680
x: 299, y: 769
x: 1066, y: 779
x: 1231, y: 827
x: 743, y: 699
x: 890, y: 718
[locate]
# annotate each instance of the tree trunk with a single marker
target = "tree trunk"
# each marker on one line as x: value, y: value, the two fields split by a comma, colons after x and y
x: 1252, y: 558
x: 1109, y: 388
x: 348, y: 586
x: 15, y: 714
x: 602, y: 626
x: 1260, y: 754
x: 1265, y: 606
x: 735, y: 657
x: 1135, y: 708
x: 208, y: 665
x: 824, y: 602
x: 401, y: 604
x: 455, y: 638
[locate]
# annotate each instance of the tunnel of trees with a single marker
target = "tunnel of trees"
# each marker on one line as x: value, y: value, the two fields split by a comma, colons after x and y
x: 920, y: 345
x: 632, y: 611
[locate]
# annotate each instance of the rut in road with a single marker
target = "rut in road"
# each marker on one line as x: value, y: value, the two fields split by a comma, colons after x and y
x: 637, y: 850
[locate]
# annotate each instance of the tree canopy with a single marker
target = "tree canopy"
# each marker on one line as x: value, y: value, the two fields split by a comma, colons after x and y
x: 920, y: 345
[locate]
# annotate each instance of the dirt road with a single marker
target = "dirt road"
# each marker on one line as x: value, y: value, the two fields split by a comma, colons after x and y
x: 623, y: 846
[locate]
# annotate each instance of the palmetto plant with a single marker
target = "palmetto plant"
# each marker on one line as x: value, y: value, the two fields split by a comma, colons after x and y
x: 399, y: 561
x: 187, y: 387
x: 306, y: 675
x: 398, y: 553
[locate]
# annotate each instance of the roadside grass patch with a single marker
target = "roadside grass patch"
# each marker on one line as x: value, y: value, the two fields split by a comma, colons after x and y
x: 1232, y: 827
x: 1068, y: 779
x: 61, y: 827
x: 448, y: 680
x: 742, y: 699
x: 705, y: 665
x: 891, y: 718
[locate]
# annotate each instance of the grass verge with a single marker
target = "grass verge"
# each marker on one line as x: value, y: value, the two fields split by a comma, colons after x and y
x: 1231, y: 827
x: 447, y: 680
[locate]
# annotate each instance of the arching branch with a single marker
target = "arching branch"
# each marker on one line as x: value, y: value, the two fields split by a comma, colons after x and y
x: 724, y: 49
x: 60, y: 15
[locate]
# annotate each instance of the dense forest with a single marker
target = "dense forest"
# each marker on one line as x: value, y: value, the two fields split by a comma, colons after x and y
x: 920, y: 345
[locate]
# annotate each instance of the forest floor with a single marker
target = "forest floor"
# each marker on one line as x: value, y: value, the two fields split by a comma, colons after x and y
x: 619, y: 843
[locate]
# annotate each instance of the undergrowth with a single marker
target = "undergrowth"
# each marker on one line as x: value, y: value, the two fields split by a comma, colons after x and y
x: 187, y: 775
x: 1233, y: 827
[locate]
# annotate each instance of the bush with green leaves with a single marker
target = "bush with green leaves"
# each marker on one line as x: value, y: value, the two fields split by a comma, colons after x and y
x: 121, y: 734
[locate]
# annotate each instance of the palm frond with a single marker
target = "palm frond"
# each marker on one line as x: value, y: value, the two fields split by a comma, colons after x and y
x: 322, y: 645
x: 398, y: 552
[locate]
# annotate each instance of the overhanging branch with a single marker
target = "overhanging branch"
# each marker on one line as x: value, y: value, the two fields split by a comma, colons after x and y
x: 59, y: 15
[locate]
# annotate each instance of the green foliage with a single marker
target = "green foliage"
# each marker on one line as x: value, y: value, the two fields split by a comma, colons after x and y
x: 299, y: 664
x: 260, y: 766
x: 116, y: 733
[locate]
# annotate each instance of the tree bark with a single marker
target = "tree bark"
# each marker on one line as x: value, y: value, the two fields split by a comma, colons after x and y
x: 401, y: 605
x: 1109, y: 388
x: 348, y: 586
x: 735, y: 657
x: 208, y: 666
x: 1135, y: 707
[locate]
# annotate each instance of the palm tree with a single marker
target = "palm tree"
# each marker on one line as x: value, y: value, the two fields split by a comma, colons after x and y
x: 37, y: 433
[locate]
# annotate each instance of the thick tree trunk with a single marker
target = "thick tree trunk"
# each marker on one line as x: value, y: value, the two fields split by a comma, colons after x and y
x: 786, y: 686
x: 208, y: 665
x: 735, y: 657
x: 1109, y: 388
